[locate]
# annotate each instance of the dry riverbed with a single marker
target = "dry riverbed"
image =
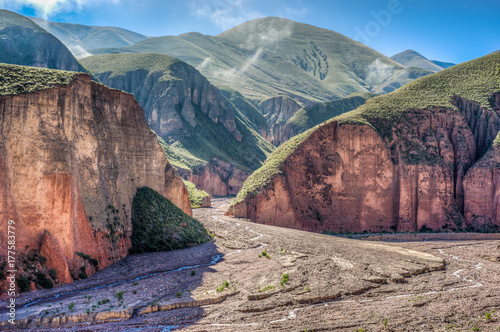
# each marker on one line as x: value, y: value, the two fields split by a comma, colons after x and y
x: 262, y: 278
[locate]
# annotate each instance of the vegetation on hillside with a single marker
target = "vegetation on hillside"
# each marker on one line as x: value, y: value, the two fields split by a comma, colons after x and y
x: 16, y: 79
x: 257, y: 75
x: 310, y: 116
x: 196, y: 196
x: 205, y: 141
x: 274, y: 56
x: 121, y: 64
x: 475, y: 80
x: 209, y: 139
x: 159, y: 225
x: 247, y: 109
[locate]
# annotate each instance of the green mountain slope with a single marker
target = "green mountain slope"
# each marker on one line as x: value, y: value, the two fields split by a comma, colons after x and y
x: 269, y: 57
x: 343, y: 64
x: 410, y: 58
x: 194, y: 119
x: 400, y: 78
x: 23, y: 42
x: 16, y: 79
x: 256, y: 74
x: 310, y: 116
x: 81, y: 38
x: 385, y: 112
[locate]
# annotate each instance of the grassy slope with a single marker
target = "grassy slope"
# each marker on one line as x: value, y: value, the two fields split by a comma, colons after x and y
x: 208, y: 139
x: 121, y: 64
x: 11, y: 19
x: 401, y: 78
x: 195, y: 195
x: 225, y: 63
x: 410, y: 58
x: 347, y: 60
x: 475, y: 80
x: 16, y: 79
x: 267, y: 57
x: 258, y: 121
x: 308, y: 117
x: 159, y: 225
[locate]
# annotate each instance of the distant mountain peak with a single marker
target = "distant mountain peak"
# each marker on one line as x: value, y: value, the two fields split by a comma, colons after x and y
x: 411, y: 58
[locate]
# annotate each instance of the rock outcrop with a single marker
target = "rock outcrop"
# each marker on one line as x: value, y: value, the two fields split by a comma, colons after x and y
x: 219, y: 178
x: 71, y: 160
x: 277, y: 111
x: 434, y: 169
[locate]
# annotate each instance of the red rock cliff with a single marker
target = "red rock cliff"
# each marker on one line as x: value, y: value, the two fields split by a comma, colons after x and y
x: 345, y: 177
x: 71, y: 159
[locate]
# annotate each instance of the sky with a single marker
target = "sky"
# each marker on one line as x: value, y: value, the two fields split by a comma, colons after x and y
x: 444, y: 30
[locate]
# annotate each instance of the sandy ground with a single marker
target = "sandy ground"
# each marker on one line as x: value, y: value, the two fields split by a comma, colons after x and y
x: 333, y: 284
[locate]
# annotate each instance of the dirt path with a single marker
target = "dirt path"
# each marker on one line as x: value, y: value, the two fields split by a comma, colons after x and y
x: 237, y: 283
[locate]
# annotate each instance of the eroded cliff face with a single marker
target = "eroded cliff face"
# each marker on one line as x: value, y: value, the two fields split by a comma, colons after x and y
x: 277, y: 111
x: 71, y: 160
x: 169, y: 103
x: 219, y: 178
x: 346, y: 177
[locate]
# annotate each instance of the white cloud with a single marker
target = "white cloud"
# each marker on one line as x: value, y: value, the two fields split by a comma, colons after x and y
x: 47, y: 8
x: 224, y: 13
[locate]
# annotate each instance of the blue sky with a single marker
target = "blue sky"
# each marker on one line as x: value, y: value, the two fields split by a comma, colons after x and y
x: 453, y: 31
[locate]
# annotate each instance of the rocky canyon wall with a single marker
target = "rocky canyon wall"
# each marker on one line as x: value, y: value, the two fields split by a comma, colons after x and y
x: 277, y: 111
x: 71, y: 160
x: 347, y: 178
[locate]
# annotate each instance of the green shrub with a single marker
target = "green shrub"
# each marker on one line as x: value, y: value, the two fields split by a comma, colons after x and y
x: 284, y: 279
x: 119, y: 295
x: 53, y: 273
x: 89, y: 259
x: 24, y: 284
x: 71, y: 306
x: 221, y: 288
x: 159, y: 225
x: 196, y: 196
x: 42, y: 280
